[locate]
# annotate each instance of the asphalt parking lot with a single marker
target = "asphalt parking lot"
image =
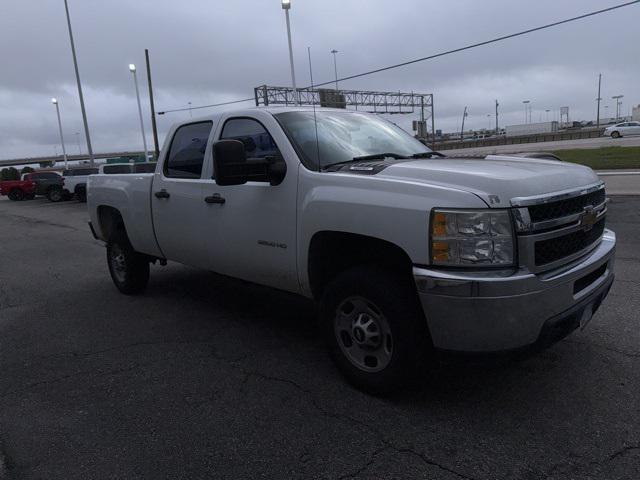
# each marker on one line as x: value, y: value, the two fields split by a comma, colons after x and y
x: 207, y: 377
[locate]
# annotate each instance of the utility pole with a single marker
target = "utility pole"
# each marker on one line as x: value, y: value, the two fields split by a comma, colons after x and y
x: 75, y: 64
x: 464, y: 115
x: 526, y: 110
x: 497, y: 129
x: 598, y: 99
x: 153, y: 108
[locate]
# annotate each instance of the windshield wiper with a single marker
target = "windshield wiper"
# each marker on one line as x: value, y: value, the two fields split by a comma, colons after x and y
x: 375, y: 156
x: 428, y: 154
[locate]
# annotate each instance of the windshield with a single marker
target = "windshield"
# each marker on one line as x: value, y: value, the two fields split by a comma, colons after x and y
x: 342, y: 136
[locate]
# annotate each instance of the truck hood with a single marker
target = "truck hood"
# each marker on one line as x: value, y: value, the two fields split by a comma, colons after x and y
x: 495, y: 181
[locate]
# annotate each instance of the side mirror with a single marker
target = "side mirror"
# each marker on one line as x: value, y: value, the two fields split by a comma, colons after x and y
x: 229, y: 162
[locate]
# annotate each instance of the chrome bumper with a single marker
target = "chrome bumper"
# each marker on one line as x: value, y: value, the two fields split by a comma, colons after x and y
x: 506, y: 310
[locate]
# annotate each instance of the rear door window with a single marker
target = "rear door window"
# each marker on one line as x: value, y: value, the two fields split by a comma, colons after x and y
x: 186, y: 153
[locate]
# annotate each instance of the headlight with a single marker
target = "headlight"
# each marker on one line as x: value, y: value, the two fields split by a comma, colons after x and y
x: 471, y: 238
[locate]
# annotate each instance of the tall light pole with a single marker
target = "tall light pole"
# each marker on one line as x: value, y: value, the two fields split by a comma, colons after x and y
x: 335, y: 66
x: 598, y: 100
x: 526, y: 109
x: 132, y: 69
x: 190, y: 112
x: 286, y: 6
x: 497, y: 128
x: 64, y: 151
x: 464, y: 115
x: 75, y: 64
x: 618, y: 103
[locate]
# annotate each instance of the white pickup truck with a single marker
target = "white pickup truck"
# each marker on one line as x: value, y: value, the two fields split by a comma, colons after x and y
x: 407, y: 253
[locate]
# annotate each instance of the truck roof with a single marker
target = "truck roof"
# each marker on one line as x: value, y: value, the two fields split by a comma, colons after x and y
x: 271, y: 109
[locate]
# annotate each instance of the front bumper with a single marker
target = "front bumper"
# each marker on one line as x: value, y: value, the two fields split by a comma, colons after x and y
x: 499, y: 311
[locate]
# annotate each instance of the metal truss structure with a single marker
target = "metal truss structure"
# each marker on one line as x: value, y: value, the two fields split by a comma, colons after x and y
x: 369, y: 101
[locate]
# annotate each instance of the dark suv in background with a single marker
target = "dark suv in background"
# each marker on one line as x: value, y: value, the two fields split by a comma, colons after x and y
x: 48, y: 184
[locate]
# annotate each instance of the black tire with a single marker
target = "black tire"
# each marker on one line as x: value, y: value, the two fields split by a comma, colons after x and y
x: 16, y: 195
x: 615, y: 134
x: 391, y: 298
x: 81, y: 194
x: 55, y: 194
x: 129, y: 269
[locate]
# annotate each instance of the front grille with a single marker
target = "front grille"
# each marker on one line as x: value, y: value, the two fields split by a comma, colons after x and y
x: 553, y: 249
x: 563, y: 208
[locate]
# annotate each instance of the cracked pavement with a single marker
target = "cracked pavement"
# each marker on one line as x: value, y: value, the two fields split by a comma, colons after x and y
x: 208, y: 377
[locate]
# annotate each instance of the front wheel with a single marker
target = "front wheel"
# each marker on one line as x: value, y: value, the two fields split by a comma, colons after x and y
x: 375, y: 328
x: 129, y: 269
x: 615, y: 134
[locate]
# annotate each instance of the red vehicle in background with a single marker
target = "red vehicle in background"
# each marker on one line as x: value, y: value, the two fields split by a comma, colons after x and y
x: 18, y: 190
x: 48, y: 184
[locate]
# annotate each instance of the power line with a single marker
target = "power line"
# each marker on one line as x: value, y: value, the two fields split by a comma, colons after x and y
x: 441, y: 54
x: 212, y: 105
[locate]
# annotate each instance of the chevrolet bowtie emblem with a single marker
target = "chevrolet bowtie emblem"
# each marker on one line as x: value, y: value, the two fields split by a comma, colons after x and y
x: 588, y: 218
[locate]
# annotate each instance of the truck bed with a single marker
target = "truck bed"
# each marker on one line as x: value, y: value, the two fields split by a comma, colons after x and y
x: 130, y: 194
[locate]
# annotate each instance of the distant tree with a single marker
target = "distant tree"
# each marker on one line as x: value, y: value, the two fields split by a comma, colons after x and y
x: 26, y: 170
x: 10, y: 173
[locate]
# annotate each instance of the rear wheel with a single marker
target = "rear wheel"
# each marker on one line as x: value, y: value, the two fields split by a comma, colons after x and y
x: 55, y: 194
x: 375, y: 328
x: 615, y: 134
x: 81, y: 194
x: 129, y: 269
x: 16, y: 195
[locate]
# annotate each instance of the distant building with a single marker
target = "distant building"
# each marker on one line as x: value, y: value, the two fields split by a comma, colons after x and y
x: 635, y: 114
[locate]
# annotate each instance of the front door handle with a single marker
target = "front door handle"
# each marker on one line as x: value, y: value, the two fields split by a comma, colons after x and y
x: 162, y: 194
x: 215, y: 198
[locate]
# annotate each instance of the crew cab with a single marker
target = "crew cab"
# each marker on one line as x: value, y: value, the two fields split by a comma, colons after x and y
x: 18, y: 190
x: 406, y: 252
x: 75, y: 182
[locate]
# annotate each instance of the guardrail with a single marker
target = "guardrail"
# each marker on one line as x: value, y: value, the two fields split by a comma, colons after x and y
x: 504, y: 140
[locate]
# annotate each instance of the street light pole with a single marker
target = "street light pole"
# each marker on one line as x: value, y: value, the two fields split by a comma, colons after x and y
x: 132, y: 69
x: 64, y: 151
x: 464, y: 115
x: 598, y: 100
x: 335, y: 66
x: 75, y: 64
x: 526, y: 109
x: 497, y: 128
x: 618, y: 103
x: 286, y: 6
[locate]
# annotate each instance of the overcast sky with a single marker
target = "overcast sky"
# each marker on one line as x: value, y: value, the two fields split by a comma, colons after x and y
x: 208, y: 51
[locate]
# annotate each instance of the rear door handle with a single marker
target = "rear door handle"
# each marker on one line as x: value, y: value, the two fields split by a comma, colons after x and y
x: 215, y: 198
x: 162, y: 194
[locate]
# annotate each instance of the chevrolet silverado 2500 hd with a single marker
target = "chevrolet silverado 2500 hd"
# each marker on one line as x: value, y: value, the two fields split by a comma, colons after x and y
x: 405, y: 252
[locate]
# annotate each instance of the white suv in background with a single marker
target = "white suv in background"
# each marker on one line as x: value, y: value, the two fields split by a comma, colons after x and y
x: 623, y: 129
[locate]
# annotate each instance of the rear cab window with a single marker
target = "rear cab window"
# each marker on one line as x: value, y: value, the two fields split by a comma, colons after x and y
x: 186, y: 153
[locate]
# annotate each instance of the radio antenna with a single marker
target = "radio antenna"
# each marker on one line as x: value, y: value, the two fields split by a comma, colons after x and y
x: 313, y: 102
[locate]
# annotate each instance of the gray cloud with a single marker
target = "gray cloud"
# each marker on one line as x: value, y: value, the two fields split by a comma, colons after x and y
x: 207, y: 51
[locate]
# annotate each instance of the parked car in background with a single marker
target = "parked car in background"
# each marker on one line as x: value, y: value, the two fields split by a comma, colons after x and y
x: 18, y: 190
x: 75, y: 182
x: 623, y: 129
x: 48, y: 184
x: 405, y: 252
